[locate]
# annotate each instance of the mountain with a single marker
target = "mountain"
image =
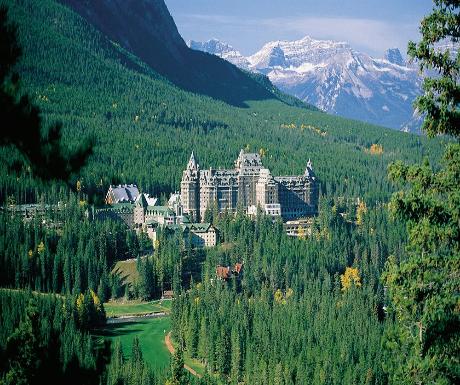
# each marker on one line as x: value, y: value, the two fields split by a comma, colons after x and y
x: 338, y: 79
x: 223, y: 50
x: 146, y: 29
x: 145, y: 126
x: 393, y: 55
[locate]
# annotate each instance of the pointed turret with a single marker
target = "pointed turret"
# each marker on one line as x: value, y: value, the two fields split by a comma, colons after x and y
x: 141, y: 201
x: 192, y: 164
x: 309, y: 170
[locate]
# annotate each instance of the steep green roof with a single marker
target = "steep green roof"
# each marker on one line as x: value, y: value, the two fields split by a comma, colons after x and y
x: 186, y: 219
x: 163, y: 210
x: 198, y: 227
x: 119, y: 206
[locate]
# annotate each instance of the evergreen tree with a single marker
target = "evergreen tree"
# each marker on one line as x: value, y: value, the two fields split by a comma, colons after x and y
x: 192, y: 335
x: 236, y: 358
x: 424, y: 345
x: 23, y: 129
x: 178, y: 375
x: 441, y: 98
x: 115, y: 369
x: 22, y: 350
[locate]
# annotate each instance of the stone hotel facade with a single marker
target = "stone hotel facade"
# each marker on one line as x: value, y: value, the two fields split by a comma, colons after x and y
x: 250, y: 185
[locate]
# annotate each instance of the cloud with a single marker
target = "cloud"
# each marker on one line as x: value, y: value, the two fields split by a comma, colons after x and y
x: 372, y: 36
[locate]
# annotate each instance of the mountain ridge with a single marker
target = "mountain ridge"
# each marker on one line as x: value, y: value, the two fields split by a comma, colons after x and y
x: 145, y: 126
x: 336, y: 78
x: 146, y: 29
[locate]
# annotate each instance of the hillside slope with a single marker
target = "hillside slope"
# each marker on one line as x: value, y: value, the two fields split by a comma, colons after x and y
x: 145, y: 127
x: 334, y: 77
x: 146, y: 29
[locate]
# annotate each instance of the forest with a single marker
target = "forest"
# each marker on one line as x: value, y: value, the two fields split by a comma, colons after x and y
x: 299, y: 312
x: 368, y: 295
x: 132, y: 115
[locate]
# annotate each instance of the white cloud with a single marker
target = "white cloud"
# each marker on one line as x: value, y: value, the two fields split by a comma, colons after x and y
x: 372, y: 36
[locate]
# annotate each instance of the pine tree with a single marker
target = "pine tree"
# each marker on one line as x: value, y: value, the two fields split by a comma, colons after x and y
x: 441, y: 98
x: 22, y: 350
x: 115, y: 368
x: 178, y: 375
x: 202, y: 341
x: 41, y: 147
x: 424, y: 345
x: 192, y: 333
x: 236, y: 364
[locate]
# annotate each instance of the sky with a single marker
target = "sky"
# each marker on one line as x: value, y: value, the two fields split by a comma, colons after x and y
x: 370, y: 26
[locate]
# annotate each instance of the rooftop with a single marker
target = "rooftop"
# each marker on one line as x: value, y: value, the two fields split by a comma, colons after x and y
x: 124, y: 193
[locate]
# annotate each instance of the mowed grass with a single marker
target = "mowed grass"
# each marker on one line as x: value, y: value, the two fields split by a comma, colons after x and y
x: 116, y: 309
x: 127, y: 271
x: 196, y: 365
x: 151, y: 333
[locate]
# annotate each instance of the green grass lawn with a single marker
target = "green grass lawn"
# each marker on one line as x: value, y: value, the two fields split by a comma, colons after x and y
x: 150, y: 331
x: 151, y: 334
x: 127, y: 270
x: 194, y: 364
x: 113, y: 309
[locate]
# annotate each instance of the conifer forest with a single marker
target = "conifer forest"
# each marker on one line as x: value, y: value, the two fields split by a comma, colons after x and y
x: 100, y: 99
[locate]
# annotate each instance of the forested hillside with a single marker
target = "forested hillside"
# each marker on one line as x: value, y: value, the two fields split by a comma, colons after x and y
x: 146, y: 29
x: 145, y: 127
x: 312, y: 309
x: 302, y: 311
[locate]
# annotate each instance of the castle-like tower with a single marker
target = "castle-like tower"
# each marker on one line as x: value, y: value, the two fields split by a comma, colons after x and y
x: 190, y: 189
x: 249, y: 184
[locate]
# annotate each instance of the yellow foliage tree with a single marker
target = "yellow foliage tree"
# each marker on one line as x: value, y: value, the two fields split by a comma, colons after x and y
x: 41, y: 248
x: 80, y: 305
x: 349, y: 278
x: 376, y: 149
x: 301, y: 232
x: 96, y: 301
x: 360, y: 212
x: 279, y: 298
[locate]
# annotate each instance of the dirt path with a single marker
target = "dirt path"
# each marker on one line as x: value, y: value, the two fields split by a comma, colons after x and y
x: 170, y: 347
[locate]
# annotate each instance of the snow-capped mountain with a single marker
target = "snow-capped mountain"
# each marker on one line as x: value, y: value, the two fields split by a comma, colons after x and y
x: 223, y: 50
x: 393, y: 55
x: 334, y: 77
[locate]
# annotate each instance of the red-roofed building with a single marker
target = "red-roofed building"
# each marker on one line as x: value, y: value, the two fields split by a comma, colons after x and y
x: 238, y: 268
x: 225, y: 272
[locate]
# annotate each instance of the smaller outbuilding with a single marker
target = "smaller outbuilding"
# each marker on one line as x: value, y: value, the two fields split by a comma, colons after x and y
x: 126, y: 193
x: 224, y: 273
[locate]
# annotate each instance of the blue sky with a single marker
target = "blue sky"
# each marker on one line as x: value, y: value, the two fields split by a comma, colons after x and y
x: 370, y: 26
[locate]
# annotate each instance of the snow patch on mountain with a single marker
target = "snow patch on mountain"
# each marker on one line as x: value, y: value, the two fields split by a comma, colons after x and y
x: 334, y: 77
x: 223, y: 50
